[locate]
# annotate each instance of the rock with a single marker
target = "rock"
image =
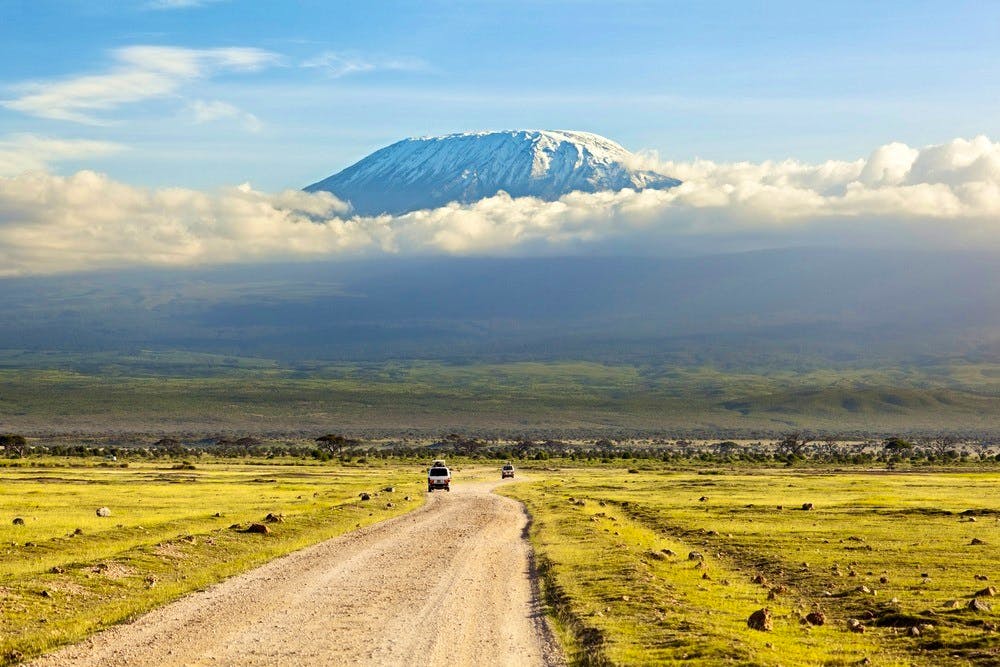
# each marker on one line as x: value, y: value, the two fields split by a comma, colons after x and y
x: 258, y: 528
x: 703, y: 499
x: 761, y: 620
x: 807, y: 506
x: 883, y: 580
x: 668, y: 552
x: 235, y: 526
x: 976, y: 541
x: 706, y: 577
x: 366, y: 496
x: 55, y: 569
x: 217, y: 515
x: 45, y: 594
x: 18, y: 521
x: 981, y: 577
x: 815, y: 618
x: 854, y: 625
x: 78, y: 531
x: 953, y: 604
x: 987, y: 592
x: 863, y: 589
x: 389, y: 489
x: 389, y: 506
x: 695, y: 555
x: 274, y: 518
x: 657, y: 555
x: 406, y: 498
x: 914, y: 631
x: 103, y: 511
x: 760, y: 579
x: 780, y: 507
x: 978, y: 604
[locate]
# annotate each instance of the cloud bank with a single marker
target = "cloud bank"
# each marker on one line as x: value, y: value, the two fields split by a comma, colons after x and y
x: 942, y: 195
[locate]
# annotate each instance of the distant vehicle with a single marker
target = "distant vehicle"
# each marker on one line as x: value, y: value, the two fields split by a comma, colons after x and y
x: 439, y: 477
x: 507, y: 471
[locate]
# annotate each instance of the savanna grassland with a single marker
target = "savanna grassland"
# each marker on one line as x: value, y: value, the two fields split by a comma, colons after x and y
x: 660, y: 563
x: 656, y: 567
x: 186, y: 392
x: 175, y: 527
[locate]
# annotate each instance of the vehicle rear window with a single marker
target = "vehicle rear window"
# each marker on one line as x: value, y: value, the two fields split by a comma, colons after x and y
x: 508, y: 467
x: 439, y: 472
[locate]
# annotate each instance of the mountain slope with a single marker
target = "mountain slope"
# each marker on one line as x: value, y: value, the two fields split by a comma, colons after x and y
x: 429, y: 172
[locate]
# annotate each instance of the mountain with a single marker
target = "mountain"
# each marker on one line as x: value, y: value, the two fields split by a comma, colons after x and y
x: 429, y: 172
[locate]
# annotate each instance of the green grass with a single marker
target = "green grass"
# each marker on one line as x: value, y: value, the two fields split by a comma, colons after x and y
x: 67, y: 573
x: 163, y: 392
x: 599, y: 536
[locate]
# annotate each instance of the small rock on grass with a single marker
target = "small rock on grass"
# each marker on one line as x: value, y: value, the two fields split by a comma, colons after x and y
x: 987, y: 592
x: 976, y: 541
x: 761, y: 620
x: 815, y: 618
x: 103, y: 512
x: 274, y: 518
x: 258, y: 528
x: 854, y: 625
x: 978, y: 604
x: 18, y: 521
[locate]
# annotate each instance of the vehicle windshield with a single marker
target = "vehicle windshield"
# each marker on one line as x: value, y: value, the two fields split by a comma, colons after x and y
x: 439, y: 472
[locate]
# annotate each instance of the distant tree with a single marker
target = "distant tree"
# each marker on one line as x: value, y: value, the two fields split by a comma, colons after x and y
x: 943, y: 445
x: 14, y: 445
x: 795, y: 443
x: 897, y: 445
x: 335, y: 444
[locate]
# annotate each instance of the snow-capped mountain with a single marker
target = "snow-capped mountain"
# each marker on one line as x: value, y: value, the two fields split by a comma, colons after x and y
x: 428, y: 172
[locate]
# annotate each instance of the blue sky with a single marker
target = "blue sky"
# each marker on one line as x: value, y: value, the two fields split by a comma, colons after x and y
x: 284, y: 93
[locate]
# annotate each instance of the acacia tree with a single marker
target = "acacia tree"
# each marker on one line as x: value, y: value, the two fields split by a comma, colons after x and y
x: 335, y: 444
x: 794, y: 443
x: 14, y: 445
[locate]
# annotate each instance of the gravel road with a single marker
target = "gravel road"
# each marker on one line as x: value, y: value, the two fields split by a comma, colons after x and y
x: 447, y: 584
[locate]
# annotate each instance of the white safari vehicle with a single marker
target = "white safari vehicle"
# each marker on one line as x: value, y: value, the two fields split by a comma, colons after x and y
x: 506, y: 471
x: 439, y: 477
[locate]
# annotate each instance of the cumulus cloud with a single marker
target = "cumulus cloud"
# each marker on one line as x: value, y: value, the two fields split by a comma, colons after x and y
x: 945, y: 195
x: 140, y: 73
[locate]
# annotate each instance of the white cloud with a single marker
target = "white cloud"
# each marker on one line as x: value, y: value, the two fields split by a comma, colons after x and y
x: 946, y: 195
x: 140, y: 73
x: 215, y: 110
x: 28, y: 152
x: 339, y: 64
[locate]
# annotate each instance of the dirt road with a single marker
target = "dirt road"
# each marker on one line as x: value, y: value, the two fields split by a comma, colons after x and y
x: 446, y: 584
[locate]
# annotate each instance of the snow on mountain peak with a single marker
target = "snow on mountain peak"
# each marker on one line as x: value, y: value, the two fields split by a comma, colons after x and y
x: 427, y: 172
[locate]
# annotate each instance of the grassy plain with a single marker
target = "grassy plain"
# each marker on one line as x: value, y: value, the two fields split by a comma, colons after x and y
x: 172, y: 392
x: 66, y: 572
x: 600, y: 536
